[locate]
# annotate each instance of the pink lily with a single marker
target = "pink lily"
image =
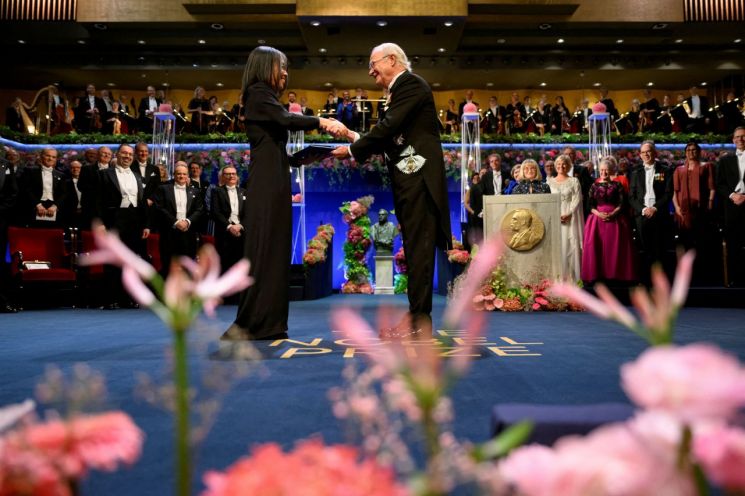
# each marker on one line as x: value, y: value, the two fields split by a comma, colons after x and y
x: 111, y: 250
x: 11, y: 414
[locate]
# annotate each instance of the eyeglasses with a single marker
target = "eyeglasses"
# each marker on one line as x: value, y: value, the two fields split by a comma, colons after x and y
x: 373, y: 62
x: 229, y: 174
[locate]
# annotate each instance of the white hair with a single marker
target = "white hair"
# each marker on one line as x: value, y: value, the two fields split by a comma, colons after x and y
x: 396, y: 51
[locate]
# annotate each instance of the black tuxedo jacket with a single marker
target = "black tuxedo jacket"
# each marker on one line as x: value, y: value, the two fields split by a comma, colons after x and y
x: 88, y: 184
x: 8, y: 194
x: 411, y: 120
x: 144, y: 106
x: 110, y: 198
x: 584, y: 178
x: 728, y: 175
x: 220, y: 207
x: 487, y: 182
x: 663, y: 189
x: 308, y: 111
x: 31, y: 188
x: 83, y: 118
x: 151, y: 179
x: 165, y: 206
x: 704, y: 105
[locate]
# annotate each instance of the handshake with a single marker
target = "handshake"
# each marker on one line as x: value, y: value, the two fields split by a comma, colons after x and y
x: 336, y: 128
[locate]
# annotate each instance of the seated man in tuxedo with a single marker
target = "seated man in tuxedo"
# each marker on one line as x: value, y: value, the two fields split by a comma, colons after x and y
x: 43, y: 191
x: 179, y: 208
x: 227, y: 210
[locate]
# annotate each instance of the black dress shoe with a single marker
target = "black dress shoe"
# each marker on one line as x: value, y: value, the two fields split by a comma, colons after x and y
x: 8, y: 308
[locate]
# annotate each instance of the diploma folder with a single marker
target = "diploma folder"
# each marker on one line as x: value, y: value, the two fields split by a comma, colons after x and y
x: 310, y: 154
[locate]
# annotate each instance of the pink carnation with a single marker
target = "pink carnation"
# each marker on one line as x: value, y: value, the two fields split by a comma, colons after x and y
x: 295, y: 108
x: 693, y: 382
x: 312, y: 468
x: 721, y: 452
x: 470, y: 108
x: 599, y: 108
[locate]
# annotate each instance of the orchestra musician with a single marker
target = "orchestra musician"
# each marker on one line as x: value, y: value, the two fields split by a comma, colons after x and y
x: 649, y: 111
x: 698, y: 112
x: 732, y: 115
x: 199, y: 108
x: 663, y: 122
x: 559, y: 117
x: 452, y: 119
x: 90, y: 111
x: 516, y: 114
x: 493, y: 121
x: 239, y: 115
x: 679, y: 115
x: 148, y: 106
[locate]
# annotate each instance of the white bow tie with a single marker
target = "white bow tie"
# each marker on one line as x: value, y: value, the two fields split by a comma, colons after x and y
x: 740, y: 153
x: 182, y: 188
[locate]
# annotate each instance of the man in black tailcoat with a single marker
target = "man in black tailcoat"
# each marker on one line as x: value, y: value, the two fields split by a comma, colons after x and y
x: 8, y: 196
x: 227, y: 206
x: 43, y: 191
x: 409, y: 138
x: 731, y: 190
x: 651, y: 188
x: 179, y: 208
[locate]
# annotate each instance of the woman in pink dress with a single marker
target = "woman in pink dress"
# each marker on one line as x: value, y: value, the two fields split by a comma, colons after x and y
x: 693, y: 183
x: 608, y: 252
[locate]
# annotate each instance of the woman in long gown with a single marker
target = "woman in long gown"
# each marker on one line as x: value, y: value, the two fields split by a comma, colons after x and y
x: 608, y: 251
x: 267, y: 215
x: 572, y: 217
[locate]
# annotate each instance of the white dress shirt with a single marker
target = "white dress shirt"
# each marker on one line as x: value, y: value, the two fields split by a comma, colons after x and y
x: 497, y: 182
x: 152, y: 104
x: 128, y: 186
x: 47, y: 188
x: 180, y: 194
x: 77, y: 191
x: 696, y: 107
x: 649, y: 196
x: 740, y: 188
x: 233, y: 197
x: 142, y: 169
x: 92, y: 101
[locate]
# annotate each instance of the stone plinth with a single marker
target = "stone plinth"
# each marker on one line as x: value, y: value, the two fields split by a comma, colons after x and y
x: 532, y: 247
x: 383, y: 274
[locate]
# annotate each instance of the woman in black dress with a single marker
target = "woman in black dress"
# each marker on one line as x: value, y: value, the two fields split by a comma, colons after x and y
x: 267, y: 215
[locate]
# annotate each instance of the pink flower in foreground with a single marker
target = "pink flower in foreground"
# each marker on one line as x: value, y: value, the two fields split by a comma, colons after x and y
x: 312, y: 469
x: 26, y: 472
x: 694, y: 382
x: 111, y: 250
x: 91, y: 442
x: 721, y: 453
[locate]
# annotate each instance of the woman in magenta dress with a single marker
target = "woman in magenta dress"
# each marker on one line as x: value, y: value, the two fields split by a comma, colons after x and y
x: 608, y: 252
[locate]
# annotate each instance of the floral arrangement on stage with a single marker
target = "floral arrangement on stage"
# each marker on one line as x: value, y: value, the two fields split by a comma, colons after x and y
x: 318, y: 245
x: 496, y: 293
x: 458, y: 254
x: 401, y: 278
x: 358, y: 241
x: 53, y: 456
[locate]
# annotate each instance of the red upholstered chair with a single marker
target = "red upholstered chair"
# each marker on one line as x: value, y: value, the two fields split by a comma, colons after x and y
x: 87, y: 245
x: 153, y: 251
x: 44, y: 245
x: 206, y: 239
x: 91, y: 282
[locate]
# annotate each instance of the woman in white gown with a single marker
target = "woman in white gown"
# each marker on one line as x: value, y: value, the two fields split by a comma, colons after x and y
x: 572, y: 217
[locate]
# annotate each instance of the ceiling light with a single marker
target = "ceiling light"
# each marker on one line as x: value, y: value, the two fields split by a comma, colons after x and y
x: 315, y: 24
x: 596, y: 84
x: 261, y: 42
x: 328, y: 85
x: 501, y: 41
x: 166, y: 85
x: 441, y: 50
x: 435, y: 85
x: 214, y: 66
x: 81, y: 42
x: 141, y: 58
x: 195, y: 64
x: 619, y: 41
x: 703, y: 83
x: 448, y: 24
x: 322, y: 50
x: 650, y: 83
x: 542, y: 84
x: 22, y: 42
x: 381, y: 23
x: 110, y: 84
x: 679, y: 40
x: 560, y: 40
x: 544, y: 26
x: 219, y: 85
x: 738, y: 40
x: 140, y: 42
x: 143, y: 75
x: 100, y: 26
x: 659, y: 25
x: 217, y: 26
x: 489, y: 85
x: 202, y: 42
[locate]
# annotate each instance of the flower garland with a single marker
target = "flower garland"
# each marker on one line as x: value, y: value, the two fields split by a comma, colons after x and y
x: 401, y: 279
x: 318, y: 245
x: 358, y: 242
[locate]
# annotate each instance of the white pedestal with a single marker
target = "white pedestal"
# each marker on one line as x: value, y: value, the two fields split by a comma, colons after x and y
x: 383, y: 274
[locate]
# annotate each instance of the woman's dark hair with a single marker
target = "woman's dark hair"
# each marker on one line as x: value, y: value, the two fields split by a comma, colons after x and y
x: 695, y: 145
x: 260, y: 68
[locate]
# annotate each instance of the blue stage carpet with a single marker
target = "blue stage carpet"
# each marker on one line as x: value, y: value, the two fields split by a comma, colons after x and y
x: 565, y: 358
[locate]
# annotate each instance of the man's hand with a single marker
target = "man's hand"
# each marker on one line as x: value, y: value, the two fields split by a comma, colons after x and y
x: 235, y: 230
x: 649, y: 212
x: 738, y: 198
x: 145, y: 233
x: 51, y: 211
x: 41, y: 211
x: 182, y: 225
x: 341, y: 152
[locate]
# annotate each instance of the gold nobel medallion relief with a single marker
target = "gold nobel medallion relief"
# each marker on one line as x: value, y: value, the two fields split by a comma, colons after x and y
x: 522, y: 229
